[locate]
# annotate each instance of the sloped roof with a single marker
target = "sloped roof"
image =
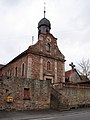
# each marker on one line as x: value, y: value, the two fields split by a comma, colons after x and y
x: 84, y: 78
x: 1, y: 65
x: 68, y: 73
x: 33, y: 49
x: 44, y: 22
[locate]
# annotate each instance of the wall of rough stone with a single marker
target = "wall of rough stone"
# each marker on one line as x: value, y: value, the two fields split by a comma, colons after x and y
x: 39, y: 91
x: 68, y: 96
x: 77, y: 95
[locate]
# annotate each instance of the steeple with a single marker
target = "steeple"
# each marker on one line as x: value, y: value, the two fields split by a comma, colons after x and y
x: 44, y: 25
x: 44, y: 9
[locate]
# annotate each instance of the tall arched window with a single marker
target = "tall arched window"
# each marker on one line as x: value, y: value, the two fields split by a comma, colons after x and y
x: 22, y: 70
x: 48, y: 65
x: 16, y: 72
x: 48, y: 47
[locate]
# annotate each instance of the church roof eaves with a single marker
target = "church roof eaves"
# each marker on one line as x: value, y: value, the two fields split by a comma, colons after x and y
x: 1, y: 65
x: 16, y: 58
x: 35, y: 52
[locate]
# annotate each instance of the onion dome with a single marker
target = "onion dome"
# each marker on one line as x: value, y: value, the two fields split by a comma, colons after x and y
x: 44, y: 26
x: 44, y: 22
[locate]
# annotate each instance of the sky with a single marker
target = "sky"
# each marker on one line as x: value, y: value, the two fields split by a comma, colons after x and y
x: 70, y: 24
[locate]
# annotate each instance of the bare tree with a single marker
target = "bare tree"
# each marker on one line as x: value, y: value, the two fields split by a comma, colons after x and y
x: 84, y: 67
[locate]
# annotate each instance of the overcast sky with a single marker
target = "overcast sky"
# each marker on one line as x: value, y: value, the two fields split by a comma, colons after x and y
x: 70, y: 24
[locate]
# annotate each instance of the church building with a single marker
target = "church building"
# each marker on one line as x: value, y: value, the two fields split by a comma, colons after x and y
x: 36, y: 78
x: 41, y: 61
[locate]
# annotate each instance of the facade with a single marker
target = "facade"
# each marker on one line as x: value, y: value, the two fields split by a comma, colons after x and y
x: 42, y: 61
x: 25, y: 82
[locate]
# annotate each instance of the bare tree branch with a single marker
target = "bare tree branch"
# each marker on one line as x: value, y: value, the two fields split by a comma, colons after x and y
x: 84, y: 67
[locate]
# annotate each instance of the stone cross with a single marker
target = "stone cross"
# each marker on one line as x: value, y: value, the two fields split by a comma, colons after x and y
x: 72, y: 65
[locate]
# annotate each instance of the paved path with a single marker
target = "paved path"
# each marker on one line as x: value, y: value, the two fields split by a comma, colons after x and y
x: 79, y: 114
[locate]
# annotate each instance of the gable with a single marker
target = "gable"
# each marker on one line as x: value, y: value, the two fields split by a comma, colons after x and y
x: 47, y: 46
x: 72, y: 76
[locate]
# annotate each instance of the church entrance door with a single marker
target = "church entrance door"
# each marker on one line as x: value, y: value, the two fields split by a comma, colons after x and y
x: 48, y: 78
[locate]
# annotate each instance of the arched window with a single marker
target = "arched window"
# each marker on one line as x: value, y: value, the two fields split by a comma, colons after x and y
x: 22, y: 70
x: 48, y: 65
x: 48, y: 47
x: 16, y: 72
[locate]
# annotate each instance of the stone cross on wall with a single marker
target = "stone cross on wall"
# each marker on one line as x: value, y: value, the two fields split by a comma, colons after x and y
x: 72, y: 65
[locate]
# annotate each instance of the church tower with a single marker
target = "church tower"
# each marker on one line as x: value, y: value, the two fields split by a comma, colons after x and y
x: 50, y: 57
x: 44, y: 25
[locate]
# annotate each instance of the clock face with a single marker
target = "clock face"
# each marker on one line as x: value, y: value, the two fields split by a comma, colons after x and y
x: 41, y: 38
x: 48, y: 39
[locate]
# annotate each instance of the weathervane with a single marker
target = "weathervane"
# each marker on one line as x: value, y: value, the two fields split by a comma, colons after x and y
x: 44, y: 9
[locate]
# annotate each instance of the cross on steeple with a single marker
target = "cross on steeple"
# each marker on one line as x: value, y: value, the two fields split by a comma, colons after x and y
x: 72, y: 65
x: 44, y: 9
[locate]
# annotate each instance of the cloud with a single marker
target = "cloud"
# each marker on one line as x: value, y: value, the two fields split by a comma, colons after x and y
x: 10, y: 2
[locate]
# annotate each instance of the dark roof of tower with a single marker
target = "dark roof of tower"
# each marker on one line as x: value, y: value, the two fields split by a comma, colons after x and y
x: 44, y: 22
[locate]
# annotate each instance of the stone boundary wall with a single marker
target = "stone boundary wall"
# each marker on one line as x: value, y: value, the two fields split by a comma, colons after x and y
x: 13, y: 89
x: 77, y: 95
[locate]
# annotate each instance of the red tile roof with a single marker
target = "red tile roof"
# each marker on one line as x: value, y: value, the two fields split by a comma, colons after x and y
x: 68, y: 73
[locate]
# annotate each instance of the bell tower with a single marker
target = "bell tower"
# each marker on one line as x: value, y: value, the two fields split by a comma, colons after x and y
x: 44, y: 25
